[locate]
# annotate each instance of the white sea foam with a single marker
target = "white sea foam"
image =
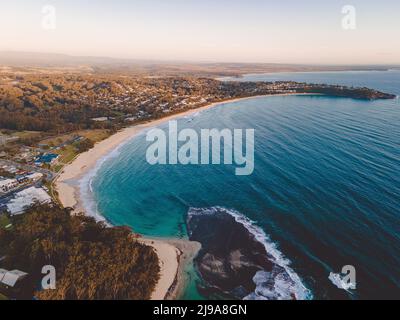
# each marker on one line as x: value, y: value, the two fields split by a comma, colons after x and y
x: 279, y: 284
x: 86, y: 184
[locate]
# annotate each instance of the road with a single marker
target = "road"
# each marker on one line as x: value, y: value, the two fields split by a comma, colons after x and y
x: 50, y: 175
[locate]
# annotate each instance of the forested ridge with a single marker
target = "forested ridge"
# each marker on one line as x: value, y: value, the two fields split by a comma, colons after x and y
x: 63, y: 103
x: 92, y: 261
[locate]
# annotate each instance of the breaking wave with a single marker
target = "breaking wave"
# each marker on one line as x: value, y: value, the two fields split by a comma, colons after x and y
x: 279, y: 284
x: 86, y: 190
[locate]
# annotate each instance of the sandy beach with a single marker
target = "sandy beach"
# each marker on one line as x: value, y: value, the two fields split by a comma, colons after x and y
x: 173, y: 254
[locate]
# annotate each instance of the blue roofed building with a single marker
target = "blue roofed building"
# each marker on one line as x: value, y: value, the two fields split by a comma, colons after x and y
x: 48, y: 158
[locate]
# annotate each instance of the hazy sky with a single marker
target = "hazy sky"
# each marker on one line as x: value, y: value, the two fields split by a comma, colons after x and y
x: 287, y: 31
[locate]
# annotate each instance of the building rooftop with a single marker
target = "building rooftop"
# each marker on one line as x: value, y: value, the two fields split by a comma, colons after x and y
x: 10, y: 278
x: 25, y: 198
x: 7, y: 182
x: 46, y: 158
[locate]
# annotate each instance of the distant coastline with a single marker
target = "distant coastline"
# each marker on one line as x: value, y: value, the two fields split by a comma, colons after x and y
x: 59, y: 63
x: 243, y: 75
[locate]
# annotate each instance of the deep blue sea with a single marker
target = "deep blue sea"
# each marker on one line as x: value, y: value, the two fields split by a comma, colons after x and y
x: 325, y: 189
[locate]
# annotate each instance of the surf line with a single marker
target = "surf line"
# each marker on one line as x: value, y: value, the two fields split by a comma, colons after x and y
x: 187, y: 147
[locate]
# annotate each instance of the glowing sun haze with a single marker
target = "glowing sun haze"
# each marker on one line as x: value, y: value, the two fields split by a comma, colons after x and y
x: 285, y: 31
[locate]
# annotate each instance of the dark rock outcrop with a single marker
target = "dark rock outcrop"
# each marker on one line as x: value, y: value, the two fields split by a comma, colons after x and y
x: 233, y: 263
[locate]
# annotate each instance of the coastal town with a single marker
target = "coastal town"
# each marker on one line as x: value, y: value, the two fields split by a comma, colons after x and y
x: 48, y: 120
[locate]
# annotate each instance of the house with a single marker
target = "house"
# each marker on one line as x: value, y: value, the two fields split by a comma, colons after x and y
x: 29, y: 178
x: 21, y: 179
x: 11, y: 278
x: 15, y: 284
x: 26, y: 198
x: 33, y: 177
x: 8, y: 184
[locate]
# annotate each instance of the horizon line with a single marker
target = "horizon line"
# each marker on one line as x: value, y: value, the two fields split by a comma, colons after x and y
x: 188, y: 61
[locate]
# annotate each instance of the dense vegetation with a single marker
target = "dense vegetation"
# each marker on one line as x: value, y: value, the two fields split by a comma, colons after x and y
x: 92, y: 261
x: 61, y: 103
x: 84, y: 145
x: 355, y: 93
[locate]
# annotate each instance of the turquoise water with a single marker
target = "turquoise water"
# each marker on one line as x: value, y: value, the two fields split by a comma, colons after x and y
x: 325, y: 188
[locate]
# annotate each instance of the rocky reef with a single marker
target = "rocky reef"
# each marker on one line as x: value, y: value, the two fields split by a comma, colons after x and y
x: 234, y: 263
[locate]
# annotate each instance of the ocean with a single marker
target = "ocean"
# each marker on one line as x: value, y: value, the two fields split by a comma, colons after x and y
x: 325, y: 192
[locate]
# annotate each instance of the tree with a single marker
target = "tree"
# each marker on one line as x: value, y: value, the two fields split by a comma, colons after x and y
x: 84, y: 145
x: 92, y: 261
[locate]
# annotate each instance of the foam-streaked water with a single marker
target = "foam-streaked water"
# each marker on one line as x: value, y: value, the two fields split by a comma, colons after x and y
x: 326, y: 185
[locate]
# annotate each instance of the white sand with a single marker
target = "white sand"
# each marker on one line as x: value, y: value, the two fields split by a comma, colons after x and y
x: 168, y: 255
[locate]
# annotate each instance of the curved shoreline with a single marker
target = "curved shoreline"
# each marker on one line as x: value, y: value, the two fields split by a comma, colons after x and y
x: 173, y: 254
